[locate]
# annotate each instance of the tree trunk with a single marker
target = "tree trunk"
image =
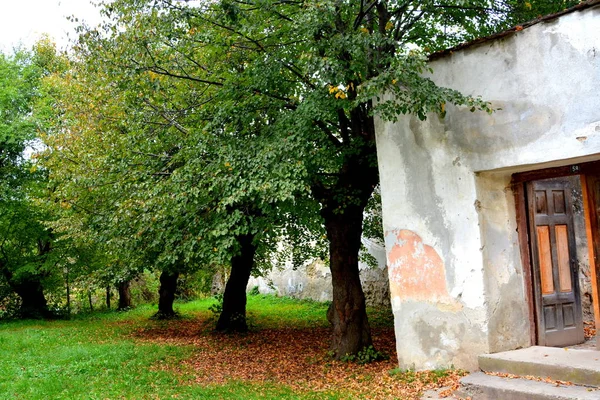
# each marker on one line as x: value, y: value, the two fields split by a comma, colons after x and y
x: 90, y: 301
x: 347, y: 313
x: 124, y: 295
x: 233, y: 316
x: 166, y: 295
x: 68, y: 292
x: 33, y: 302
x: 343, y: 203
x: 108, y: 297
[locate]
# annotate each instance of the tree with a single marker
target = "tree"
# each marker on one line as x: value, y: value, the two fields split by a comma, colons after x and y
x: 159, y: 185
x: 313, y: 76
x: 27, y: 258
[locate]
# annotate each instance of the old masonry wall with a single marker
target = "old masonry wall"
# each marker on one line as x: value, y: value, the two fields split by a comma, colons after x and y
x: 456, y: 278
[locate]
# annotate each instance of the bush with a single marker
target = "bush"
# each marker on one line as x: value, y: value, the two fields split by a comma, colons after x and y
x: 255, y: 291
x: 194, y: 285
x: 144, y: 288
x: 365, y: 356
x: 9, y: 304
x: 217, y: 307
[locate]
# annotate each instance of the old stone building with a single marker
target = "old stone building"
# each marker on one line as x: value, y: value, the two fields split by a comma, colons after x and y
x: 491, y: 221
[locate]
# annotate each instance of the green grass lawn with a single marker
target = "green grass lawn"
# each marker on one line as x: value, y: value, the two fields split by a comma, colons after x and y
x: 95, y: 356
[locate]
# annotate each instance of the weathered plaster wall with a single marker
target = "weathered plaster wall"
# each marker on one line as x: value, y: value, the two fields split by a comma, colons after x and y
x: 456, y: 278
x: 313, y: 280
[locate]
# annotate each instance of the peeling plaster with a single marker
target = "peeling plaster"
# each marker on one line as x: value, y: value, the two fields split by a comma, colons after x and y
x: 416, y: 271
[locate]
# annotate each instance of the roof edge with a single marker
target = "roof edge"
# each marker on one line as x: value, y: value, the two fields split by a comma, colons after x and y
x: 579, y: 7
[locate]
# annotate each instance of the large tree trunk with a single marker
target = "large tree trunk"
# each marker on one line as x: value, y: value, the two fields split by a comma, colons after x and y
x: 233, y: 316
x: 347, y: 313
x: 31, y: 292
x: 124, y: 295
x: 33, y: 302
x: 343, y: 203
x: 166, y: 295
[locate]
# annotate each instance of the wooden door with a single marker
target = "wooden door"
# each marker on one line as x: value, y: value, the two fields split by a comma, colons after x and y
x: 553, y: 252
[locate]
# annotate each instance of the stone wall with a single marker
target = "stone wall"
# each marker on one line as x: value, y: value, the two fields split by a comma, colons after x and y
x: 313, y: 280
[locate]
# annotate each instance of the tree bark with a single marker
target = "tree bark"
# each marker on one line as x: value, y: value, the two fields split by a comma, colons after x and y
x: 31, y: 292
x: 347, y: 313
x: 166, y: 295
x: 233, y: 316
x: 68, y: 292
x: 33, y: 302
x: 90, y: 301
x: 124, y: 295
x: 108, y: 297
x: 342, y: 206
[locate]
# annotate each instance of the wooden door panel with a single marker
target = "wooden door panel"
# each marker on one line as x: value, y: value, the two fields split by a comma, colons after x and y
x: 545, y: 259
x: 559, y: 201
x: 564, y: 260
x: 541, y: 203
x: 556, y: 287
x: 569, y: 315
x: 550, y: 318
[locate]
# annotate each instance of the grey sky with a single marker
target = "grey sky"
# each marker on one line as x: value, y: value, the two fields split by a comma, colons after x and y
x: 24, y: 21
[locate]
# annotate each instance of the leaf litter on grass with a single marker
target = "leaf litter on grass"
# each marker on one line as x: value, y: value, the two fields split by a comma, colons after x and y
x: 296, y: 358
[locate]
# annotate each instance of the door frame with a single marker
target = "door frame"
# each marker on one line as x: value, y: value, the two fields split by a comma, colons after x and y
x: 518, y: 185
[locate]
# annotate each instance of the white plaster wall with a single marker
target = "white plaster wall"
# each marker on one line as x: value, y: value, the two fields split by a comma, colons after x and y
x: 313, y: 279
x: 445, y: 186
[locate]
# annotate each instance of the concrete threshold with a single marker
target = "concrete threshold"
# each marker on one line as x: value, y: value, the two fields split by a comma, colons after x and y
x: 581, y: 367
x: 479, y: 386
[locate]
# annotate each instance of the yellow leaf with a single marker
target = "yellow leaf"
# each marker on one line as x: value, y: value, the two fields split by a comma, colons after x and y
x: 364, y: 30
x: 528, y: 5
x: 389, y: 25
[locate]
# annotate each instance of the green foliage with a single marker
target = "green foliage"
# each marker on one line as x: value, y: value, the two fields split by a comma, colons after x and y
x: 9, y: 303
x: 154, y: 178
x: 372, y: 229
x: 28, y: 257
x: 144, y: 288
x: 255, y: 291
x: 216, y: 308
x: 194, y: 285
x: 365, y: 356
x: 520, y: 11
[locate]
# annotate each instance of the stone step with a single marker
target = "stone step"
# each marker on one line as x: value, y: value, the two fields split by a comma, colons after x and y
x: 581, y: 367
x: 479, y: 386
